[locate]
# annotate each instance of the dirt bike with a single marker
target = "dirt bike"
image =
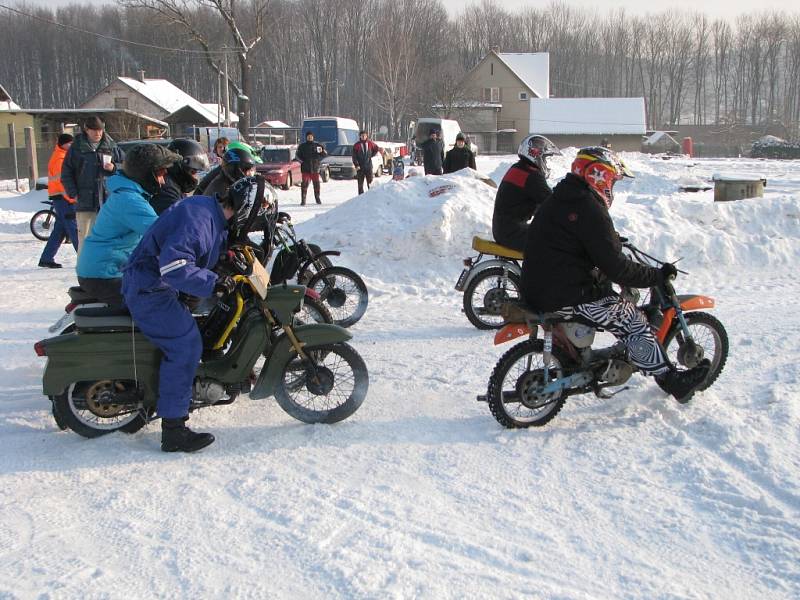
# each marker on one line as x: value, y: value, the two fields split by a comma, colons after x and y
x: 339, y: 288
x: 103, y: 376
x: 43, y: 221
x: 489, y: 284
x: 530, y: 382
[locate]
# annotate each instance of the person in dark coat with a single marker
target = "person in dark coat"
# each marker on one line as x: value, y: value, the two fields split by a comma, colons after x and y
x: 92, y: 157
x: 181, y: 179
x: 572, y: 238
x: 363, y: 151
x: 522, y: 191
x: 176, y: 256
x: 460, y: 157
x: 236, y: 164
x: 310, y: 154
x: 433, y: 154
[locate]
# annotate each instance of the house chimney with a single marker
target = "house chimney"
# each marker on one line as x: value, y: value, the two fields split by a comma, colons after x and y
x: 496, y: 49
x: 141, y: 75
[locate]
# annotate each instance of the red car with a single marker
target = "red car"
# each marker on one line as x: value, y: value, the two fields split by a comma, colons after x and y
x: 279, y: 166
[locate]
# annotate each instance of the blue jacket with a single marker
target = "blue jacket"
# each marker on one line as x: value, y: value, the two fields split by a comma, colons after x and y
x: 83, y: 175
x: 179, y: 251
x: 120, y: 225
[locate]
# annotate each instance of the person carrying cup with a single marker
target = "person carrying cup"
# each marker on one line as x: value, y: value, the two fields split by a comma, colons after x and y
x: 92, y: 157
x: 310, y: 154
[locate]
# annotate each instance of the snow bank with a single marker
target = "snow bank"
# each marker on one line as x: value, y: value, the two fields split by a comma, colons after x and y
x: 415, y: 232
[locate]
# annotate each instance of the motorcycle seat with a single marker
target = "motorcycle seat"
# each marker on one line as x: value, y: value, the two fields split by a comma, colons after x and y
x: 485, y: 246
x: 519, y: 312
x: 80, y: 296
x: 103, y: 319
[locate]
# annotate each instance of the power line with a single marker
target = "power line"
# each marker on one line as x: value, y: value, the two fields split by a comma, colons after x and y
x: 116, y: 39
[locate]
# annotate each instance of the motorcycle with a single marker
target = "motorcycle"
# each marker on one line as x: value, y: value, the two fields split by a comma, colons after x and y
x: 531, y: 381
x: 489, y: 284
x: 103, y: 376
x: 340, y: 289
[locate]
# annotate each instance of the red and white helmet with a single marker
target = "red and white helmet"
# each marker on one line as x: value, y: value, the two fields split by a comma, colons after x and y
x: 600, y: 168
x: 535, y: 149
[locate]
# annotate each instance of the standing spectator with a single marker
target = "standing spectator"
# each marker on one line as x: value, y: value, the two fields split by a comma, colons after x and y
x: 460, y: 157
x: 92, y: 157
x: 363, y: 151
x: 64, y: 209
x: 215, y: 156
x: 432, y: 154
x: 310, y: 154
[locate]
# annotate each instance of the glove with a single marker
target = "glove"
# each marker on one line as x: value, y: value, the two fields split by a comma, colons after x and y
x: 668, y: 272
x: 239, y: 263
x: 225, y: 285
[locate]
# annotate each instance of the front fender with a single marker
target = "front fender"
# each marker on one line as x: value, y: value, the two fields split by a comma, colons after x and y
x: 315, y: 334
x: 488, y: 264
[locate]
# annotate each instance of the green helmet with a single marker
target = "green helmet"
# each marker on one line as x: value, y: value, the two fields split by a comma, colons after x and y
x: 244, y: 146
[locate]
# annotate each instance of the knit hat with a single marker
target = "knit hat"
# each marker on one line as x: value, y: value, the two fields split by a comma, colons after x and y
x: 94, y: 122
x: 460, y: 136
x: 64, y: 138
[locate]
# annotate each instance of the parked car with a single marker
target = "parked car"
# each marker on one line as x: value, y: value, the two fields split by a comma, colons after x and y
x: 279, y: 166
x: 339, y: 163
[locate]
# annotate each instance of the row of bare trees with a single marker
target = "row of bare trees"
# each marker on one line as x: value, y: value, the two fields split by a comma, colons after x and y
x: 385, y: 61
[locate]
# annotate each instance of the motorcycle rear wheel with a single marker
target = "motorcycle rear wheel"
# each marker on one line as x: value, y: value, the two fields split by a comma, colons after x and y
x: 482, y: 302
x: 75, y: 405
x: 329, y: 393
x: 710, y: 335
x: 343, y: 292
x: 512, y: 397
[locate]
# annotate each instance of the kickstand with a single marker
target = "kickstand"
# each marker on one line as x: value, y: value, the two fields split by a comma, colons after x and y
x: 606, y: 395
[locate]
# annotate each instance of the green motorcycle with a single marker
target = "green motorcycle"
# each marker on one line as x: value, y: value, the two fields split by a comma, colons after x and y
x: 103, y: 376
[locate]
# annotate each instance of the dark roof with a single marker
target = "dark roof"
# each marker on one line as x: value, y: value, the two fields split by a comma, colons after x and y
x: 4, y: 95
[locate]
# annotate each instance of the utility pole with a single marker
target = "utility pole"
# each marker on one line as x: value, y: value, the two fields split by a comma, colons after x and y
x: 227, y: 97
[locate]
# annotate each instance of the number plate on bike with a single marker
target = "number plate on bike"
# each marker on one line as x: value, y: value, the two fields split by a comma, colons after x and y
x: 462, y: 279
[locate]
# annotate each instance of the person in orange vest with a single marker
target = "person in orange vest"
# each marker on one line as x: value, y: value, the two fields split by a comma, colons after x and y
x: 63, y: 206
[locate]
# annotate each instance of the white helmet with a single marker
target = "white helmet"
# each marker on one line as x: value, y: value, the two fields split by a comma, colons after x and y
x: 535, y: 149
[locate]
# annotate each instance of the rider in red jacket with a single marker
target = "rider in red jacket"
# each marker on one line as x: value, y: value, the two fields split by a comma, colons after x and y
x: 363, y: 151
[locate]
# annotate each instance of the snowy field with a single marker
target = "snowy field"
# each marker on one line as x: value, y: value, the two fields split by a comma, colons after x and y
x: 421, y: 494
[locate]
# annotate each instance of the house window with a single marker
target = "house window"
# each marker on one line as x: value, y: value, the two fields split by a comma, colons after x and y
x: 491, y: 94
x: 523, y: 95
x: 120, y: 103
x: 491, y: 68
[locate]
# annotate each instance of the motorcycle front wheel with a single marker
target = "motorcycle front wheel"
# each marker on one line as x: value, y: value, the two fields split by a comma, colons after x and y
x: 343, y: 292
x: 88, y: 408
x: 313, y: 311
x: 486, y: 294
x: 328, y: 389
x: 42, y: 223
x: 711, y: 339
x: 514, y: 394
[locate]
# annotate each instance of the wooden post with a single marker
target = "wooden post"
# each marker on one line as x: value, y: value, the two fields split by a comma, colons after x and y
x: 12, y: 142
x: 33, y: 165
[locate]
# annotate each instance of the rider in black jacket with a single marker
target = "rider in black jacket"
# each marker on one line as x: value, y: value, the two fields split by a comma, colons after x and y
x: 310, y: 154
x: 571, y: 237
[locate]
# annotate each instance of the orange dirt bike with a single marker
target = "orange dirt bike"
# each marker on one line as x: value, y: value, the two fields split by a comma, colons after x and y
x: 489, y: 284
x: 531, y: 381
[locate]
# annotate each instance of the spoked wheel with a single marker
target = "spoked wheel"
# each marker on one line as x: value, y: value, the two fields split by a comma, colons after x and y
x: 344, y: 293
x: 327, y: 389
x: 92, y: 408
x: 313, y: 311
x: 42, y: 223
x: 486, y: 294
x: 710, y: 341
x: 516, y: 397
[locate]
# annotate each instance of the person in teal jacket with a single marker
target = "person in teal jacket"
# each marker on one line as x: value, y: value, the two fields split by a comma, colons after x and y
x: 122, y: 221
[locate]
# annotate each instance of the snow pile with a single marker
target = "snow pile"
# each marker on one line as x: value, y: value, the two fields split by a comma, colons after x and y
x: 414, y: 231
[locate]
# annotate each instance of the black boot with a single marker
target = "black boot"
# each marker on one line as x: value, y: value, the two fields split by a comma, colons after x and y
x: 177, y: 437
x: 682, y: 384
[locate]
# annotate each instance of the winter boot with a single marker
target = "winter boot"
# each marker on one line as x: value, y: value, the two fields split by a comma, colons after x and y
x: 682, y: 384
x: 177, y: 437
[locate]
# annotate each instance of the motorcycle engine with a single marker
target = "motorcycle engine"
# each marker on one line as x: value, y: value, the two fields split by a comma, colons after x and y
x: 207, y: 391
x: 617, y: 372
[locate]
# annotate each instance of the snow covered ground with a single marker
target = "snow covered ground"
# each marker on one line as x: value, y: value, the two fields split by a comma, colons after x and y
x: 421, y: 494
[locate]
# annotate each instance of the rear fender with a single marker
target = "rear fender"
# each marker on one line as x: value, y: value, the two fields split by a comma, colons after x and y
x: 94, y: 356
x: 481, y: 266
x: 511, y: 332
x: 315, y: 334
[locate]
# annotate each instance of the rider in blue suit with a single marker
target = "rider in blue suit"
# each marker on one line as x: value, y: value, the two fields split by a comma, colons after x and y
x: 176, y: 255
